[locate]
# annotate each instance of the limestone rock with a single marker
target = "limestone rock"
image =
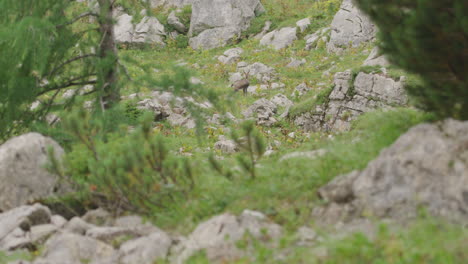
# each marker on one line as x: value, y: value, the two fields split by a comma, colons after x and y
x: 301, y: 89
x: 174, y: 21
x: 281, y: 100
x: 226, y: 146
x: 263, y: 111
x: 303, y: 24
x: 231, y: 56
x: 215, y: 23
x: 22, y: 174
x: 304, y: 155
x: 376, y: 59
x: 426, y: 167
x: 72, y: 248
x: 349, y: 100
x: 296, y: 63
x: 280, y: 39
x: 145, y: 250
x: 313, y: 39
x: 148, y: 30
x: 170, y: 3
x: 14, y: 223
x: 218, y: 236
x: 350, y: 27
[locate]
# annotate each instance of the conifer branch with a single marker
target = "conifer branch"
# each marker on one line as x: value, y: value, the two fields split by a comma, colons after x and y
x: 86, y: 14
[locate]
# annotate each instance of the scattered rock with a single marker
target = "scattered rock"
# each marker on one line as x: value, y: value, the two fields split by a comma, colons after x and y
x: 263, y: 110
x: 226, y: 146
x: 303, y: 24
x: 313, y: 40
x: 281, y: 100
x: 145, y: 250
x: 350, y: 27
x: 264, y: 31
x: 301, y: 89
x: 348, y: 100
x: 296, y: 63
x: 215, y: 23
x: 218, y: 236
x: 280, y: 39
x: 72, y: 248
x: 376, y: 59
x: 149, y: 30
x: 170, y: 3
x: 231, y: 56
x: 22, y: 174
x: 99, y: 217
x: 260, y: 71
x: 174, y: 21
x: 15, y: 223
x: 426, y: 167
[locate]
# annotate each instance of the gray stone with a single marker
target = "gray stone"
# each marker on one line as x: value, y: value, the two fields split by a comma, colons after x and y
x: 376, y: 59
x: 263, y: 111
x: 231, y: 56
x: 349, y: 100
x: 218, y: 236
x: 426, y: 167
x: 280, y: 39
x: 281, y: 100
x: 296, y: 63
x: 69, y: 248
x: 149, y: 30
x: 215, y: 23
x: 350, y: 27
x: 303, y: 24
x: 264, y: 31
x: 25, y: 158
x: 174, y: 21
x: 99, y: 217
x: 260, y: 71
x: 78, y: 226
x: 16, y: 222
x: 58, y: 220
x: 145, y: 250
x: 301, y: 89
x: 226, y: 146
x: 313, y: 39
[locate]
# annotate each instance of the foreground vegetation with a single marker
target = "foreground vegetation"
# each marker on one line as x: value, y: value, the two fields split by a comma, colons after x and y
x: 122, y: 160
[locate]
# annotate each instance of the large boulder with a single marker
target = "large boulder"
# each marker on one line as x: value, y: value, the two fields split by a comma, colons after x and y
x: 218, y: 236
x: 280, y: 39
x: 23, y: 175
x: 148, y: 30
x: 215, y: 23
x: 349, y: 99
x: 425, y: 168
x: 263, y: 111
x: 350, y: 27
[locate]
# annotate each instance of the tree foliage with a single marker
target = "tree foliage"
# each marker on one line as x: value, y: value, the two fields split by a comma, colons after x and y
x: 429, y: 38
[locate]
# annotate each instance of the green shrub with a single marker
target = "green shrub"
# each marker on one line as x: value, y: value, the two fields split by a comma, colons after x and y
x: 124, y: 171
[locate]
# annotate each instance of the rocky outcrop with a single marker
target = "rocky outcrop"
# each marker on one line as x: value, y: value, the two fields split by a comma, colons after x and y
x: 149, y: 30
x: 425, y: 168
x: 263, y: 111
x: 231, y: 56
x: 280, y: 39
x: 166, y: 106
x: 261, y: 72
x: 128, y: 239
x: 218, y: 236
x: 318, y: 39
x: 215, y: 23
x: 350, y: 27
x: 376, y: 59
x: 23, y: 175
x: 350, y: 98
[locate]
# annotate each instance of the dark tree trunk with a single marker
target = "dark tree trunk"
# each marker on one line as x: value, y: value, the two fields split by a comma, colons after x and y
x: 110, y: 93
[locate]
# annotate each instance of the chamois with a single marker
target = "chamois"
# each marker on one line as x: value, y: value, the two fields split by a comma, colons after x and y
x: 242, y: 84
